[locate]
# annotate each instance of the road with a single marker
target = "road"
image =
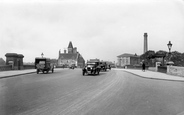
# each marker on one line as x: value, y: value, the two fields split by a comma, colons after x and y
x: 67, y: 92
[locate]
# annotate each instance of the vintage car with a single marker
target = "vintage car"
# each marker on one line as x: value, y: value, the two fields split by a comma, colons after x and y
x: 43, y: 65
x: 109, y: 66
x: 91, y: 68
x: 103, y: 66
x: 72, y: 66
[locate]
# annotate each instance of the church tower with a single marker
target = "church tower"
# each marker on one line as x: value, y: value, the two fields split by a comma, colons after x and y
x: 70, y: 47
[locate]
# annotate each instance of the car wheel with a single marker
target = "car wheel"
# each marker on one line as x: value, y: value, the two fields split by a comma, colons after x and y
x: 83, y: 73
x: 94, y: 73
x: 37, y: 71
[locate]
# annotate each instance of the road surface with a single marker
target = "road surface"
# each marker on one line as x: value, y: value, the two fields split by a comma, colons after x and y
x: 67, y: 92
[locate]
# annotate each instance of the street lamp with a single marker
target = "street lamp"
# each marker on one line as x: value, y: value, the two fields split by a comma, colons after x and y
x: 169, y: 46
x: 42, y: 55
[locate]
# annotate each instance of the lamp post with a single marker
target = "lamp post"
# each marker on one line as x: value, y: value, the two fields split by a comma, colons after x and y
x: 169, y: 47
x: 42, y: 55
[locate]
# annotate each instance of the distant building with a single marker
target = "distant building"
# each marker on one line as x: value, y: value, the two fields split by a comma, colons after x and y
x: 127, y: 59
x: 72, y: 57
x: 94, y: 60
x: 2, y: 62
x: 54, y: 61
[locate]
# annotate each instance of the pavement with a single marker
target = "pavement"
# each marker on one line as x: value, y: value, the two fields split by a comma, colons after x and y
x: 147, y: 74
x: 13, y: 73
x: 154, y: 75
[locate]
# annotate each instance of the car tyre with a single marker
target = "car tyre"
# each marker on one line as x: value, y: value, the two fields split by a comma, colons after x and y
x: 37, y: 71
x: 83, y: 73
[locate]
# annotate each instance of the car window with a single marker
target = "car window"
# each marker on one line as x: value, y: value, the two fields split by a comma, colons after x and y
x: 42, y: 62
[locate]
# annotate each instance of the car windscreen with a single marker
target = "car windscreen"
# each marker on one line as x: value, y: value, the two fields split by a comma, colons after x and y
x: 41, y: 62
x: 91, y: 64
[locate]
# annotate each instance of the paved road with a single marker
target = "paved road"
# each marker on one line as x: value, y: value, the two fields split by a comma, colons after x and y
x: 67, y: 92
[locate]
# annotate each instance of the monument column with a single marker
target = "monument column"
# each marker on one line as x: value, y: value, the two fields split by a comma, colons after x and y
x: 145, y: 43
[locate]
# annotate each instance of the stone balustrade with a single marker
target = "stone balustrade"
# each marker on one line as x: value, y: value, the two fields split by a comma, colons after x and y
x: 5, y: 67
x: 9, y: 67
x: 175, y: 70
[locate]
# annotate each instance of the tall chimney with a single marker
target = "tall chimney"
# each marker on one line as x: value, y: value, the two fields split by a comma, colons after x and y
x: 145, y: 43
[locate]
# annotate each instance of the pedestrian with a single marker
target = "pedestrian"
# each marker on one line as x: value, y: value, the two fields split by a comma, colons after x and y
x: 143, y: 66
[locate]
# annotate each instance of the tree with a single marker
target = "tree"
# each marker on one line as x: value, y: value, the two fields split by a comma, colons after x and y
x: 150, y: 57
x: 177, y: 58
x: 147, y: 56
x: 161, y: 53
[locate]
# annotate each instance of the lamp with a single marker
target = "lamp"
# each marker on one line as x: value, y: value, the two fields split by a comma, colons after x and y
x: 42, y: 55
x: 169, y: 46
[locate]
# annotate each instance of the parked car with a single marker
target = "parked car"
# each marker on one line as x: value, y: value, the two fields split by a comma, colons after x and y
x: 43, y: 65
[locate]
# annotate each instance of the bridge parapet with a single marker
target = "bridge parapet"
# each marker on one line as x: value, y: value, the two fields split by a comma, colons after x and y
x: 5, y: 67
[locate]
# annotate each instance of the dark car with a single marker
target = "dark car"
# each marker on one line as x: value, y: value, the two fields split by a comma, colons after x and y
x: 91, y: 68
x: 109, y: 66
x: 72, y: 66
x: 103, y: 66
x: 43, y: 65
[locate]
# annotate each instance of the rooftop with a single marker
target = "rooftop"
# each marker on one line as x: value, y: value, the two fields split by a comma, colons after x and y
x: 128, y: 55
x: 68, y: 56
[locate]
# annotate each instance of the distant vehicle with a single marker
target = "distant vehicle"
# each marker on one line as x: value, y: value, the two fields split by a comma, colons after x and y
x: 92, y: 68
x: 109, y: 66
x: 43, y: 65
x: 72, y: 66
x: 103, y: 66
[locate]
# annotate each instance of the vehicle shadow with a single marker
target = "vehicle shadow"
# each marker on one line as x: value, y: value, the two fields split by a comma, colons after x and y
x: 100, y: 74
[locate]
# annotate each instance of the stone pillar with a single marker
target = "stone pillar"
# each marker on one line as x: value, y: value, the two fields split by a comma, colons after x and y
x: 14, y: 59
x: 20, y: 61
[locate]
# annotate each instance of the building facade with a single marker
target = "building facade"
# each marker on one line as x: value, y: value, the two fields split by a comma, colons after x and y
x: 127, y: 59
x: 72, y: 57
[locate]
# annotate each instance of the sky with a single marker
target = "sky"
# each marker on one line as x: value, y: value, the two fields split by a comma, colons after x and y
x: 100, y: 29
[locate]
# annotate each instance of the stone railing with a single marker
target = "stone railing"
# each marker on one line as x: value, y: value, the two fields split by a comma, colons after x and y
x: 5, y: 67
x: 174, y: 70
x: 152, y: 68
x: 135, y: 67
x: 29, y: 66
x: 9, y: 67
x: 162, y: 69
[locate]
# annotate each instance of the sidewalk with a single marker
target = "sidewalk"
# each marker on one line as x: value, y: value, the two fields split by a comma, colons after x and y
x: 12, y: 73
x: 154, y: 75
